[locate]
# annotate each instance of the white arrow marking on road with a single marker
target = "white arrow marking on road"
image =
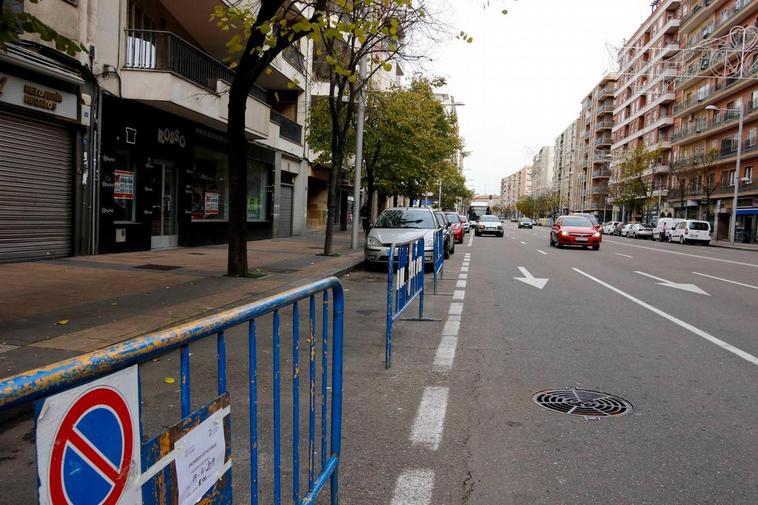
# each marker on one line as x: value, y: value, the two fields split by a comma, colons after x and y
x: 624, y: 255
x: 685, y: 287
x: 541, y: 252
x: 530, y: 279
x: 523, y: 242
x: 726, y: 280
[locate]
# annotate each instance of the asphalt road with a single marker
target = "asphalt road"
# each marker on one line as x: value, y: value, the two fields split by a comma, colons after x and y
x: 453, y: 421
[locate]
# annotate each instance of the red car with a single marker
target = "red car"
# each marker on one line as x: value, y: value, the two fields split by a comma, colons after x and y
x: 575, y: 230
x: 456, y: 226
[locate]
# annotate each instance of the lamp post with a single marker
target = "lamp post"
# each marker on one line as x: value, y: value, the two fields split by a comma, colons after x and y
x: 733, y: 224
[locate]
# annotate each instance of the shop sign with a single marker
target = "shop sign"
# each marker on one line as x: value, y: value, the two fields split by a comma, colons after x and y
x: 171, y: 137
x: 28, y: 94
x: 211, y: 203
x: 123, y: 185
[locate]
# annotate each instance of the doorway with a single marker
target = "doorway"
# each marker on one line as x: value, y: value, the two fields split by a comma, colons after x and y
x: 163, y: 229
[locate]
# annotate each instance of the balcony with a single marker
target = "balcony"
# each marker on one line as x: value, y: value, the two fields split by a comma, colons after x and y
x: 606, y: 108
x: 599, y: 190
x: 605, y: 124
x: 720, y: 121
x: 606, y: 91
x: 288, y: 129
x: 604, y: 140
x: 601, y: 173
x: 701, y: 11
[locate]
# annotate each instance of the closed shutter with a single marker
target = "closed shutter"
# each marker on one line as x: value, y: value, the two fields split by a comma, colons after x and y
x: 35, y: 189
x: 284, y: 228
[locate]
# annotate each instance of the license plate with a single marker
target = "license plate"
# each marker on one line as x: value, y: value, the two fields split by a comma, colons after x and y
x: 581, y: 239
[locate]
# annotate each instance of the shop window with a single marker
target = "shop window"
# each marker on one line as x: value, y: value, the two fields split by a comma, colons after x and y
x: 124, y: 197
x: 210, y: 188
x: 257, y: 196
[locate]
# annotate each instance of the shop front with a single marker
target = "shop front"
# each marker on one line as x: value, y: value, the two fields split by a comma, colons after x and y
x: 164, y: 182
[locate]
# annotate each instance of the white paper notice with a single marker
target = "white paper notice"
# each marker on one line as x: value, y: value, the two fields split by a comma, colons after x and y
x: 200, y: 459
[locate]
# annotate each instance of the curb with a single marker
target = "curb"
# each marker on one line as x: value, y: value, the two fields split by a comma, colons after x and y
x: 734, y: 247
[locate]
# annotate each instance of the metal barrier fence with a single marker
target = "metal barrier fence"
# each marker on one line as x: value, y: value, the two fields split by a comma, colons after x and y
x: 438, y: 255
x: 156, y: 473
x: 404, y: 285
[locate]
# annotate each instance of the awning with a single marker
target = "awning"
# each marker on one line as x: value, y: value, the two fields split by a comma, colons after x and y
x: 748, y: 212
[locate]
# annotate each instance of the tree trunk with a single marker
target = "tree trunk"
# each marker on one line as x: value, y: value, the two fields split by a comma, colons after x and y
x: 394, y: 200
x: 331, y: 201
x: 237, y: 155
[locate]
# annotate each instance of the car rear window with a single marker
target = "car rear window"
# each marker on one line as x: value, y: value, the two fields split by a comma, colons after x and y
x: 699, y: 226
x: 453, y: 217
x: 575, y: 221
x: 405, y: 218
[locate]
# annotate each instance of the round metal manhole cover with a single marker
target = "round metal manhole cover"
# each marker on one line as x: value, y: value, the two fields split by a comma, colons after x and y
x: 583, y: 402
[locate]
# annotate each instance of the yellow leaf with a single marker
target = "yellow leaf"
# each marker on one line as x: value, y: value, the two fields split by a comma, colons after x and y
x: 62, y: 322
x: 169, y: 380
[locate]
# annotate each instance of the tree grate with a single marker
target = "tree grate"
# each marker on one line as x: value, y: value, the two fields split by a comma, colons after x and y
x: 583, y: 402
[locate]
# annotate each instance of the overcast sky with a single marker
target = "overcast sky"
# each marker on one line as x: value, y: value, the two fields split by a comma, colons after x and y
x: 525, y: 74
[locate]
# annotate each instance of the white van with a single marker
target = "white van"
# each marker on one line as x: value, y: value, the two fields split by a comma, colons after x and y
x: 691, y: 230
x: 663, y: 228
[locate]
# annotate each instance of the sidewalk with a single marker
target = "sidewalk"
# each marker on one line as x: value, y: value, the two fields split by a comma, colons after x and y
x: 51, y: 310
x: 737, y: 245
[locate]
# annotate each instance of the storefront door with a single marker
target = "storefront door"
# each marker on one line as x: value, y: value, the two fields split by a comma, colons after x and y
x: 163, y: 229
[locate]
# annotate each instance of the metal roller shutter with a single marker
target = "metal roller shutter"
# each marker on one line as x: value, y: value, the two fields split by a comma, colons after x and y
x: 36, y: 189
x: 284, y: 228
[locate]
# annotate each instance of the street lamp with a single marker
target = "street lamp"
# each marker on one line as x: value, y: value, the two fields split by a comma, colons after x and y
x: 733, y: 224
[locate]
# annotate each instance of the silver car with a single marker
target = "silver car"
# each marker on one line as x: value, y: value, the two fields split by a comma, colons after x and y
x: 490, y: 225
x: 640, y: 231
x: 399, y: 224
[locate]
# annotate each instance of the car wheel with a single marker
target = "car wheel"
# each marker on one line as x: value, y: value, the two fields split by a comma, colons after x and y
x: 595, y: 247
x: 559, y: 244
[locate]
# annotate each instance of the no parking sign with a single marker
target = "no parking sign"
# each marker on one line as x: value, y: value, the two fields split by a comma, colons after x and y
x: 88, y: 443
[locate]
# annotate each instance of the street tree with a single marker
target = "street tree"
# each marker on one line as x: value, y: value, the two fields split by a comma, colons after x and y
x: 635, y: 189
x: 695, y: 174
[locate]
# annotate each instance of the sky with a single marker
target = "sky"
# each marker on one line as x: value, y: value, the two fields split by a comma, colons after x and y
x: 525, y: 73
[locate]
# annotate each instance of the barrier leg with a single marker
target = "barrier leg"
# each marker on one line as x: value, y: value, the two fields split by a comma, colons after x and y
x: 390, y: 316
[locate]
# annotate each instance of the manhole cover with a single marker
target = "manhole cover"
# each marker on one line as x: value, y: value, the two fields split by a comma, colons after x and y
x: 583, y: 402
x: 152, y: 266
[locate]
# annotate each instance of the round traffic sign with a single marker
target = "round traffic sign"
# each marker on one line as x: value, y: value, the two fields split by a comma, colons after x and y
x: 92, y: 450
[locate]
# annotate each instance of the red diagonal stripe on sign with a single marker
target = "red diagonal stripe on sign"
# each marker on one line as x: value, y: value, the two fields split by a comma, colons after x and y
x: 94, y: 457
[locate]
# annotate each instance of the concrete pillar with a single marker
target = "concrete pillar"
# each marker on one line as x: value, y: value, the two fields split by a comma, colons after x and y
x: 277, y: 192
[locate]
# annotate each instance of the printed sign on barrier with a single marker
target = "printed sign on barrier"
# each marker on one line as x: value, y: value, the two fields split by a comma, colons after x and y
x: 88, y: 448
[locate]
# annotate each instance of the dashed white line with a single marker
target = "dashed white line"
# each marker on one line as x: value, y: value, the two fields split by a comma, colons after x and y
x: 463, y: 276
x: 522, y: 242
x: 624, y: 255
x: 687, y: 326
x: 464, y: 269
x: 451, y: 328
x: 430, y: 418
x: 726, y: 280
x: 684, y: 254
x: 460, y: 284
x: 443, y: 359
x: 459, y: 294
x: 541, y: 252
x: 456, y: 309
x: 414, y: 487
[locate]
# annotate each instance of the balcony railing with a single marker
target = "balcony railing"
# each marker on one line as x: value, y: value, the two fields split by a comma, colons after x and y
x: 704, y: 126
x: 606, y: 123
x: 722, y: 20
x: 600, y: 190
x: 608, y: 107
x: 603, y: 140
x: 165, y: 51
x: 601, y: 173
x: 288, y: 129
x: 294, y: 57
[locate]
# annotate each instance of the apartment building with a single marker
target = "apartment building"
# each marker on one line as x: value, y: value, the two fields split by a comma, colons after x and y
x: 516, y: 185
x: 542, y: 171
x: 705, y: 141
x: 643, y: 113
x: 129, y: 139
x: 589, y: 187
x: 564, y: 165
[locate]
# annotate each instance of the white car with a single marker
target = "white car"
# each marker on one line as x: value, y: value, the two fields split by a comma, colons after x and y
x: 610, y: 227
x: 663, y: 228
x: 691, y: 230
x: 640, y: 231
x: 625, y: 230
x: 489, y: 224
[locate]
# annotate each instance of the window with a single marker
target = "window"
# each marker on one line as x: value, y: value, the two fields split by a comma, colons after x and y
x: 210, y: 188
x: 748, y: 175
x: 257, y: 195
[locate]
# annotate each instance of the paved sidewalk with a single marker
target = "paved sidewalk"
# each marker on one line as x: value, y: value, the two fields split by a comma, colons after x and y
x: 737, y: 245
x: 51, y: 310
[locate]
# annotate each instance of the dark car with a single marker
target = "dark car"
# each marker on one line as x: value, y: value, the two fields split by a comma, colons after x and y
x: 449, y: 247
x: 525, y: 223
x: 576, y: 231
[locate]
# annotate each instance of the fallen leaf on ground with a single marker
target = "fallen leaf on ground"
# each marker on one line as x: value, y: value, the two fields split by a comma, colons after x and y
x: 169, y: 380
x: 62, y: 322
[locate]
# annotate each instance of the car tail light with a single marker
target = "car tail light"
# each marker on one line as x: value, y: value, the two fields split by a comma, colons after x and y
x: 686, y: 231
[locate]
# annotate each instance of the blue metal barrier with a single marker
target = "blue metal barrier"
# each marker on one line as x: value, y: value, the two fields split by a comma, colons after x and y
x: 438, y: 255
x: 41, y: 383
x: 404, y: 284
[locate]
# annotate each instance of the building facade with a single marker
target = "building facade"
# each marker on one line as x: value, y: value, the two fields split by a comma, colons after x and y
x: 542, y: 171
x: 564, y: 166
x: 705, y: 141
x: 514, y: 186
x: 643, y: 113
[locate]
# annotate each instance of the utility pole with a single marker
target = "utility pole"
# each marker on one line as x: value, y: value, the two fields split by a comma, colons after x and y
x: 359, y: 154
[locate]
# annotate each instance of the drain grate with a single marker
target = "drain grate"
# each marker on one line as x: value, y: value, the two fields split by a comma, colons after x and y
x: 153, y: 266
x: 583, y: 402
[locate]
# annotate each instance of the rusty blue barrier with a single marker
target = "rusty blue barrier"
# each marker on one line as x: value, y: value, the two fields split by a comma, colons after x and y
x: 405, y: 283
x: 43, y: 382
x: 438, y: 256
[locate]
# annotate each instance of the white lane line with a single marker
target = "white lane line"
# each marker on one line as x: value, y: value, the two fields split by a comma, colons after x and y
x: 443, y: 359
x: 459, y: 294
x: 683, y: 254
x: 463, y: 276
x: 414, y: 487
x: 624, y: 255
x: 522, y: 242
x: 726, y: 280
x: 687, y: 326
x: 451, y: 328
x: 465, y: 264
x: 541, y: 252
x: 464, y: 269
x: 456, y: 309
x: 430, y: 418
x: 460, y: 284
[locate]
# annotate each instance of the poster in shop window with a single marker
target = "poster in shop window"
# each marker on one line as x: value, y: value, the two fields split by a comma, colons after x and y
x: 211, y: 203
x: 123, y: 185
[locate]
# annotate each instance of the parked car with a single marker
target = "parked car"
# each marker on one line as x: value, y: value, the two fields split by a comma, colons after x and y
x: 449, y: 247
x: 617, y: 230
x: 465, y: 222
x: 691, y: 230
x: 456, y: 226
x: 514, y: 220
x: 609, y: 227
x: 490, y: 225
x: 576, y: 231
x: 640, y: 231
x: 589, y: 216
x: 525, y: 223
x: 663, y: 228
x: 625, y: 230
x: 399, y: 224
